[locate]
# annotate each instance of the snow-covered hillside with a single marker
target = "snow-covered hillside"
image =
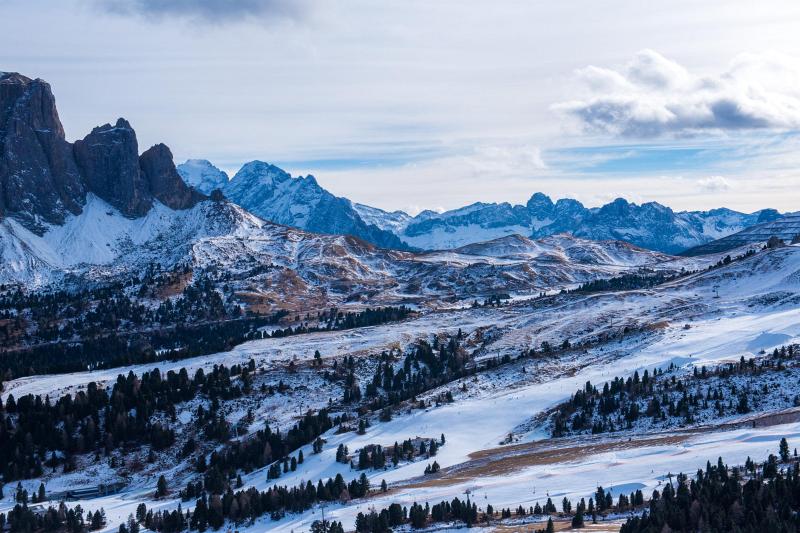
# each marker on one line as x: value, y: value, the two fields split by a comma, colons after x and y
x: 272, y: 265
x: 492, y: 449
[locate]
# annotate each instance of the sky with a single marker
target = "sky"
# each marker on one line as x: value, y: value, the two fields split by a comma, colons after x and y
x: 437, y: 104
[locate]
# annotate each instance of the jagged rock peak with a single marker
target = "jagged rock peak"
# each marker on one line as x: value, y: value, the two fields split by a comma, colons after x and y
x: 540, y: 203
x: 108, y: 159
x: 164, y: 182
x: 39, y: 181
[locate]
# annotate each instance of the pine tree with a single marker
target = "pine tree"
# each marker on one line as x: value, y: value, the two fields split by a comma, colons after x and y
x: 161, y: 487
x: 784, y: 450
x: 577, y: 520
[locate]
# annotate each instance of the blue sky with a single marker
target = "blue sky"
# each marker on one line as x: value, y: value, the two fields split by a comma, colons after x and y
x: 417, y: 104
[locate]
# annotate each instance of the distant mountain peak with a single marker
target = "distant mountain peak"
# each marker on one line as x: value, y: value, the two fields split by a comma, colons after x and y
x: 202, y: 175
x: 540, y: 203
x: 273, y: 194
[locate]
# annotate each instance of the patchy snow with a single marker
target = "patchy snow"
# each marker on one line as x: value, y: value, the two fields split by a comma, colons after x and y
x: 756, y: 309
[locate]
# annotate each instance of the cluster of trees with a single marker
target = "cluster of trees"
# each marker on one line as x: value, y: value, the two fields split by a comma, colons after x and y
x: 650, y: 278
x: 22, y: 519
x: 627, y: 282
x: 751, y: 499
x: 426, y: 366
x: 340, y: 320
x: 495, y: 300
x: 663, y: 398
x: 419, y: 516
x: 212, y: 508
x: 107, y: 327
x: 376, y: 456
x: 264, y: 448
x: 33, y: 428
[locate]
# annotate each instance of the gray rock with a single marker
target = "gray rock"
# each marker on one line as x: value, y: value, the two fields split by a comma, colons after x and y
x: 39, y: 180
x: 109, y: 161
x: 163, y: 180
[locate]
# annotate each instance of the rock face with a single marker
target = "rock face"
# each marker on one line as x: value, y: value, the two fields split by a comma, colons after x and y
x: 44, y: 178
x: 109, y: 161
x: 163, y: 180
x: 39, y: 181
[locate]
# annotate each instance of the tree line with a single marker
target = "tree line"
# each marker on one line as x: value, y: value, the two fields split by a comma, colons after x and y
x: 666, y: 399
x: 33, y: 428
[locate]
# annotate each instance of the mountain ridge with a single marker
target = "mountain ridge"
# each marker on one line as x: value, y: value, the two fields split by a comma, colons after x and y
x: 44, y: 178
x: 273, y: 194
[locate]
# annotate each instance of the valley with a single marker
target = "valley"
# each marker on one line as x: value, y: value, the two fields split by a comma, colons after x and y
x: 495, y: 449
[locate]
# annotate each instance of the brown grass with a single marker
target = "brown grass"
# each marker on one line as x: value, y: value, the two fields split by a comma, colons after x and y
x: 510, y: 459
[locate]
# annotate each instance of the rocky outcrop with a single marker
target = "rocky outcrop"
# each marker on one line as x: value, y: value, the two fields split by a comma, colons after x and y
x: 163, y: 180
x: 109, y: 161
x: 39, y: 180
x: 44, y: 178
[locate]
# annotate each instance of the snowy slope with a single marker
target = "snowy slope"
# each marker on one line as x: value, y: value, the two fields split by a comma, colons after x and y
x: 202, y: 175
x: 786, y: 229
x: 495, y: 403
x: 275, y: 195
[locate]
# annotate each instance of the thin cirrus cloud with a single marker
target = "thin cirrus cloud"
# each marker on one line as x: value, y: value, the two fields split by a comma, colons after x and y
x: 654, y: 96
x: 206, y: 11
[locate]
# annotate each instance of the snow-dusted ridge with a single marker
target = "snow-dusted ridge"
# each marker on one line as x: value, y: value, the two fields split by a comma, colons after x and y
x: 301, y: 202
x: 270, y: 265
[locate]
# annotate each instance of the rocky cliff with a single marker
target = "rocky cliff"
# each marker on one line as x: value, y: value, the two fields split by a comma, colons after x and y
x: 44, y: 178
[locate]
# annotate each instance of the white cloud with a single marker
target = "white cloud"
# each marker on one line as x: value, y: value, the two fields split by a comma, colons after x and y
x: 654, y: 95
x: 714, y: 184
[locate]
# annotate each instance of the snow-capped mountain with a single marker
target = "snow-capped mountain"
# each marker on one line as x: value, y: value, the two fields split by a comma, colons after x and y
x: 273, y: 194
x: 786, y: 228
x: 300, y: 202
x: 278, y: 266
x: 202, y: 175
x: 650, y: 225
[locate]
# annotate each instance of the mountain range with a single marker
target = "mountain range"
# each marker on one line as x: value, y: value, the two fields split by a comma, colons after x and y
x: 273, y: 194
x: 96, y: 210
